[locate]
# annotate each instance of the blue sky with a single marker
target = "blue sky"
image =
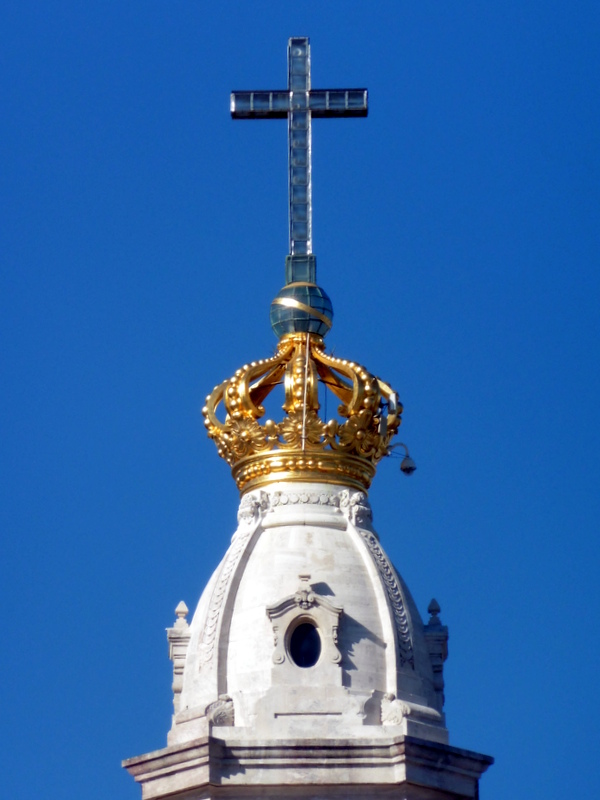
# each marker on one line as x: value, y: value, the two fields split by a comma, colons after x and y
x: 143, y: 236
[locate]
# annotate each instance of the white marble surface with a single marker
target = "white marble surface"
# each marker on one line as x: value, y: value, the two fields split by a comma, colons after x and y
x: 366, y: 720
x: 287, y: 531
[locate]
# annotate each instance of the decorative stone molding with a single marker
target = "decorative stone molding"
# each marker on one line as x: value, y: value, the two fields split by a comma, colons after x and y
x: 386, y: 571
x: 361, y: 767
x: 353, y: 504
x: 305, y: 606
x: 356, y: 507
x: 252, y: 507
x: 211, y: 625
x: 178, y: 637
x: 393, y: 711
x: 304, y: 498
x: 221, y: 712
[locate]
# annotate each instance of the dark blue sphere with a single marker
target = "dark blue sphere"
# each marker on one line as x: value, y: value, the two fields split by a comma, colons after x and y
x: 301, y: 308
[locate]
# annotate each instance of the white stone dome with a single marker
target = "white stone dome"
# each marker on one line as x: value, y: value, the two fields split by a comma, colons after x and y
x: 305, y: 566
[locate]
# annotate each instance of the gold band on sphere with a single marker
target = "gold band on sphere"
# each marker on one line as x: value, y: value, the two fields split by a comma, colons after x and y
x: 290, y: 302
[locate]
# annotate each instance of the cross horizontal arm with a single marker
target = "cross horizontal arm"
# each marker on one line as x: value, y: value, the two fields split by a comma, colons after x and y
x: 257, y: 105
x: 320, y: 102
x: 338, y: 103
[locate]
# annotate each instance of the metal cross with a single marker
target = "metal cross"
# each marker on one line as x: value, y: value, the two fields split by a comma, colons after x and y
x: 299, y: 103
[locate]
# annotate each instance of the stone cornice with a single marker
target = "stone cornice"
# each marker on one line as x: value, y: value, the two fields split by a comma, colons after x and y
x: 235, y: 764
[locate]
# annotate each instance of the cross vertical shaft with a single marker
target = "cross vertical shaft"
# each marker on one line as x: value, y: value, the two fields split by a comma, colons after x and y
x: 299, y: 148
x: 299, y: 103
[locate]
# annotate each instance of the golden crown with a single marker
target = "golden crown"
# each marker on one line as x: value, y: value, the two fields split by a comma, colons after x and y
x: 303, y: 446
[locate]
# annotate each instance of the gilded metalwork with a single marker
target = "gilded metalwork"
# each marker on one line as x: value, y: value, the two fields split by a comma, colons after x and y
x: 303, y: 446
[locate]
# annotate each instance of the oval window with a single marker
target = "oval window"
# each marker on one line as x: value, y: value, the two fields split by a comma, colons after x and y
x: 305, y: 645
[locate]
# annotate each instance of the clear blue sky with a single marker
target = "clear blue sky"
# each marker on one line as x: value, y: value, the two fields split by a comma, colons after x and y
x: 143, y: 236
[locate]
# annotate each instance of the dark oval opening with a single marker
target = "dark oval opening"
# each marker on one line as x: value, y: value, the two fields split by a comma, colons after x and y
x: 305, y: 645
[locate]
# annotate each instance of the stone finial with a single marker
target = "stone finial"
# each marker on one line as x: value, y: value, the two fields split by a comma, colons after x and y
x: 436, y: 636
x: 182, y: 611
x: 434, y: 609
x: 178, y: 637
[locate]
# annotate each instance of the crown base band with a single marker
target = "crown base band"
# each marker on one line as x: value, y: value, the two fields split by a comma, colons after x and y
x: 344, y: 470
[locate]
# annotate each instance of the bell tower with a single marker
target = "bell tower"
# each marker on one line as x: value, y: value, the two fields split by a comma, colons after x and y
x: 306, y: 670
